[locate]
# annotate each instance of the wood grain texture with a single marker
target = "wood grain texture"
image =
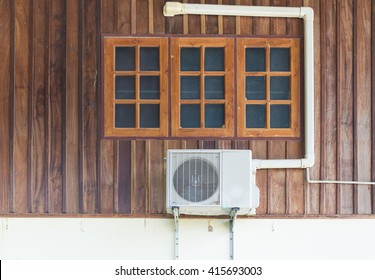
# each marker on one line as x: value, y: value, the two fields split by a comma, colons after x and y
x: 89, y: 110
x: 363, y: 105
x: 20, y: 111
x: 5, y: 102
x: 345, y: 152
x: 312, y: 194
x: 329, y: 99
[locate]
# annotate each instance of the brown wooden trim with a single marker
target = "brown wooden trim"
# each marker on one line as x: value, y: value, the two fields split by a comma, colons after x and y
x: 109, y: 73
x: 294, y: 101
x: 228, y: 73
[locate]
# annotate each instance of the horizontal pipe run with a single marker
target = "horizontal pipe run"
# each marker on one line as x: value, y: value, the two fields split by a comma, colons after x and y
x: 312, y: 181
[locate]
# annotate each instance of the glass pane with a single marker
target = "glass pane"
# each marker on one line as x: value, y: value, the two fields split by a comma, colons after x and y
x: 214, y: 115
x: 280, y: 88
x: 125, y: 59
x: 124, y: 87
x: 150, y: 87
x: 255, y: 59
x: 214, y: 87
x: 255, y: 88
x: 124, y: 115
x: 280, y: 116
x: 255, y: 116
x: 190, y: 116
x: 280, y: 59
x: 190, y: 59
x: 190, y: 87
x: 149, y: 115
x: 214, y: 59
x: 149, y: 59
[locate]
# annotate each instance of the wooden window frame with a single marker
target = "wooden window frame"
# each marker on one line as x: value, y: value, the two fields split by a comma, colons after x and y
x: 294, y: 74
x: 229, y: 92
x: 110, y: 73
x: 169, y: 100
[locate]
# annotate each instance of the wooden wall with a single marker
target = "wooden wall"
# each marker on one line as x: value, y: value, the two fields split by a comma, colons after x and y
x: 54, y: 162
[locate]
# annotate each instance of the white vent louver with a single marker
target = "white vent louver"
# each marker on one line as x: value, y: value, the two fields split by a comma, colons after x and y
x: 211, y: 182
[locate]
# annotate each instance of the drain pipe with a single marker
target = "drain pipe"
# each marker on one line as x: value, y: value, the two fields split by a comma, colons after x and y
x: 307, y: 14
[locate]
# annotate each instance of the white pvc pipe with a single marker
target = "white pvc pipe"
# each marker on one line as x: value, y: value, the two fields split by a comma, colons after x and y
x: 307, y: 14
x: 312, y: 181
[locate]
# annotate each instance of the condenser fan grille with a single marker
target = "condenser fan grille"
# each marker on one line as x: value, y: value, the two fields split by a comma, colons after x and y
x: 196, y: 179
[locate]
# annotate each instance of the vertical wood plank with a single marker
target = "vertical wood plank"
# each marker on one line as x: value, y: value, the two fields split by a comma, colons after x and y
x: 229, y: 23
x: 139, y: 183
x: 124, y: 176
x: 39, y: 150
x: 212, y: 22
x: 312, y: 198
x: 151, y: 16
x: 72, y: 167
x: 345, y: 154
x: 57, y: 89
x: 363, y: 105
x: 245, y: 23
x: 142, y: 17
x: 108, y: 148
x: 89, y: 117
x: 295, y: 189
x: 159, y: 19
x: 133, y: 16
x: 21, y: 108
x: 156, y: 174
x: 329, y: 122
x: 276, y: 179
x: 5, y: 90
x: 194, y: 21
x: 124, y: 10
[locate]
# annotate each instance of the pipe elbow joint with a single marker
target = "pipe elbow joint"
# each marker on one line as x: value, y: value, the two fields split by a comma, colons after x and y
x: 307, y: 13
x: 308, y: 161
x: 171, y: 9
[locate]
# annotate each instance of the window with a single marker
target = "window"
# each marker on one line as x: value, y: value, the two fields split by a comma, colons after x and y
x: 268, y: 87
x: 189, y: 87
x: 202, y: 87
x: 135, y: 86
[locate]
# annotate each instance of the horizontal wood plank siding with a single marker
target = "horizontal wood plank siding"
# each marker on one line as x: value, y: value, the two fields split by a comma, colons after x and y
x: 53, y: 160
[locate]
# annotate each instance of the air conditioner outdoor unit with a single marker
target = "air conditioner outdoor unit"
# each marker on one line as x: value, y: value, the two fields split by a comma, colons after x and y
x: 211, y: 182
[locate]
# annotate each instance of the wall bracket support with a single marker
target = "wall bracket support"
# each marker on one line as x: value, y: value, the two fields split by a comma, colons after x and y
x: 232, y: 219
x: 176, y: 215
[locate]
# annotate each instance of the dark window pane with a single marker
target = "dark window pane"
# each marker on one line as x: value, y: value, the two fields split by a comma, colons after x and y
x: 255, y: 116
x: 214, y: 87
x: 255, y: 88
x: 190, y: 87
x: 125, y: 59
x: 190, y: 59
x: 124, y: 87
x: 150, y: 87
x: 149, y: 59
x: 280, y: 59
x: 280, y: 116
x: 214, y: 59
x: 214, y: 115
x: 150, y: 115
x: 124, y: 115
x: 190, y: 116
x: 280, y: 88
x: 255, y: 59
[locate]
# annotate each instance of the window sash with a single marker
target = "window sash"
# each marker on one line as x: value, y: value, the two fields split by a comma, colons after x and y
x: 294, y: 73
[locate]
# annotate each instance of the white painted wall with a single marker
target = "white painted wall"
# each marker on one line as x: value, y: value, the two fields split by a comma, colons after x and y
x: 117, y: 238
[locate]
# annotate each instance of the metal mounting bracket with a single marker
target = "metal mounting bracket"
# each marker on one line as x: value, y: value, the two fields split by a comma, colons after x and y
x: 232, y: 219
x: 176, y: 215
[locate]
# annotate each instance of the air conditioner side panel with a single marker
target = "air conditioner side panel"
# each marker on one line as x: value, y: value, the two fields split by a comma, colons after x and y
x: 236, y: 179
